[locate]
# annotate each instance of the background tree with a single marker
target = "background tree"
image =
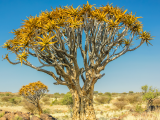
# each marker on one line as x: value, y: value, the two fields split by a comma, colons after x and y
x: 144, y: 89
x: 33, y: 93
x: 55, y: 37
x: 149, y: 95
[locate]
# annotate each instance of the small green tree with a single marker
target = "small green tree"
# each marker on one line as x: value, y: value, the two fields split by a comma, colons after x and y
x: 149, y: 96
x: 144, y: 89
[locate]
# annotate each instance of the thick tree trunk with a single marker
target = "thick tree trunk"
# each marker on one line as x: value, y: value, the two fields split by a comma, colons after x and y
x: 83, y: 108
x: 39, y: 108
x: 83, y: 105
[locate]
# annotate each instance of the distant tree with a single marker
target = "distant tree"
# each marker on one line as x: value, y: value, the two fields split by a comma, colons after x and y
x: 144, y: 89
x: 56, y: 95
x: 100, y: 93
x: 130, y: 92
x: 149, y: 95
x: 33, y: 93
x: 107, y: 93
x: 95, y: 92
x: 55, y: 37
x: 62, y: 94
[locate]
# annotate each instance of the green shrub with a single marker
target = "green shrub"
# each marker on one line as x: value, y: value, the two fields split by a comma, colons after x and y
x: 13, y: 101
x: 55, y: 102
x: 1, y: 114
x: 7, y: 94
x: 56, y: 95
x: 1, y: 95
x: 138, y: 108
x: 18, y: 118
x: 47, y: 111
x: 67, y: 100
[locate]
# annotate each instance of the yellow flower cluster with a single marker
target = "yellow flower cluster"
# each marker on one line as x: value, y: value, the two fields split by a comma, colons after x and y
x: 32, y: 88
x: 42, y: 30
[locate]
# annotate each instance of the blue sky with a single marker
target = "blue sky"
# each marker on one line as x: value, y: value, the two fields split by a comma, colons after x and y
x: 127, y: 73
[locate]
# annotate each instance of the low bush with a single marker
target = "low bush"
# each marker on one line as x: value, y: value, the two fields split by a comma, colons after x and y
x: 55, y: 102
x: 130, y: 92
x: 13, y: 101
x: 122, y: 99
x: 48, y: 111
x: 7, y: 94
x: 120, y: 104
x: 103, y: 99
x: 2, y: 114
x: 1, y: 95
x: 107, y: 93
x: 100, y: 93
x: 156, y: 102
x: 67, y: 100
x: 5, y: 98
x: 45, y: 99
x: 18, y: 118
x: 95, y: 92
x: 132, y: 98
x: 115, y: 94
x: 139, y: 109
x: 47, y: 103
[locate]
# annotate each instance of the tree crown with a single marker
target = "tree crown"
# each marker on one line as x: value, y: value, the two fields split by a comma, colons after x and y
x: 40, y: 31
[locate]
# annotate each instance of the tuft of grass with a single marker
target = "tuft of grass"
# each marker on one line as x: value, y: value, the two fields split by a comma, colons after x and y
x: 139, y: 109
x: 48, y: 111
x: 1, y: 114
x: 17, y: 118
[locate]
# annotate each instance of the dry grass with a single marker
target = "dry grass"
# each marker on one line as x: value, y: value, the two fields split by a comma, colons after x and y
x: 119, y: 106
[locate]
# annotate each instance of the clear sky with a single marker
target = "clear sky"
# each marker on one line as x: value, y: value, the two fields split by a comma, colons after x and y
x: 127, y: 73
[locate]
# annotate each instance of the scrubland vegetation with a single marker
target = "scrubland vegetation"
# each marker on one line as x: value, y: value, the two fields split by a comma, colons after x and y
x: 107, y: 105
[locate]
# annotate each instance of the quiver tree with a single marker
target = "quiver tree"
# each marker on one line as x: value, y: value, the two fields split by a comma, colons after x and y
x: 55, y: 37
x: 33, y: 93
x: 149, y: 95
